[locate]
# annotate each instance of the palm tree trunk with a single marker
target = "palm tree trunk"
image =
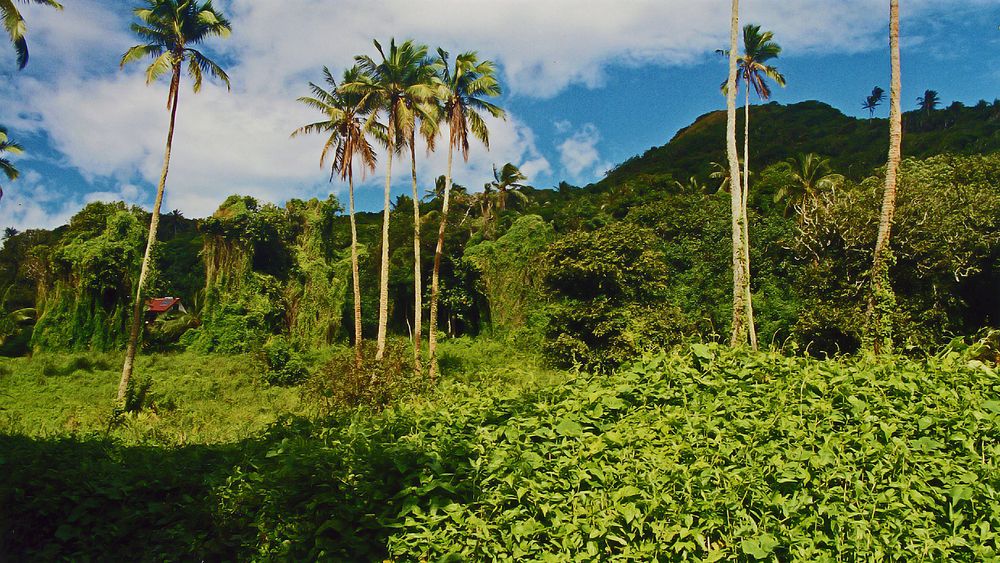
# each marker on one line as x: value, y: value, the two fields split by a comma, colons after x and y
x: 355, y: 275
x: 748, y: 297
x: 154, y: 222
x: 417, y: 285
x: 436, y: 272
x: 383, y: 292
x: 881, y: 299
x: 739, y: 309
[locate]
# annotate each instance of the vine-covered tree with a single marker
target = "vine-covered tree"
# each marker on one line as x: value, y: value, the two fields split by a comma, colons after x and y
x: 882, y: 300
x: 16, y: 29
x: 345, y: 127
x: 758, y: 49
x: 169, y: 29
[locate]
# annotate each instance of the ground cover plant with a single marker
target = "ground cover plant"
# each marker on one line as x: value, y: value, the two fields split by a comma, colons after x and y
x: 705, y: 454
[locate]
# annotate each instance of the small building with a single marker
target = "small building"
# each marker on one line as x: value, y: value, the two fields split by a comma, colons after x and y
x: 160, y: 306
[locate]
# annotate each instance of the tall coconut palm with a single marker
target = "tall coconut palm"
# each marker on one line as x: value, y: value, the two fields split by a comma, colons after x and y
x: 13, y: 22
x: 169, y: 29
x: 873, y: 101
x: 428, y: 112
x: 811, y: 174
x: 393, y: 85
x: 758, y: 49
x: 739, y: 323
x: 345, y: 125
x: 882, y: 299
x: 461, y: 88
x: 6, y: 166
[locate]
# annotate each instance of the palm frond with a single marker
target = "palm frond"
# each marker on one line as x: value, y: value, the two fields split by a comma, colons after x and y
x: 7, y: 167
x: 161, y: 64
x: 205, y: 64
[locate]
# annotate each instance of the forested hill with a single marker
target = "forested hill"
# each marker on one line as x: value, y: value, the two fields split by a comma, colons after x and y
x: 855, y: 146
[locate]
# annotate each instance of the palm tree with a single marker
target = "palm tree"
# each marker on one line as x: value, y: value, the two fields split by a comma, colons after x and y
x: 345, y: 126
x: 13, y: 22
x: 720, y: 172
x: 929, y: 101
x: 882, y: 299
x: 692, y: 186
x: 758, y: 49
x: 507, y: 181
x: 872, y: 101
x: 461, y: 89
x: 427, y: 110
x: 6, y: 166
x: 393, y: 85
x: 169, y: 28
x: 739, y: 324
x: 811, y: 175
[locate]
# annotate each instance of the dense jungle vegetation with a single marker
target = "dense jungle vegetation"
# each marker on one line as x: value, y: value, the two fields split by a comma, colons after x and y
x: 242, y: 440
x: 591, y: 276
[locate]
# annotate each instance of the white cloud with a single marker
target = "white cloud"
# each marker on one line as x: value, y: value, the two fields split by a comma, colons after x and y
x: 32, y: 203
x: 579, y: 155
x: 111, y: 127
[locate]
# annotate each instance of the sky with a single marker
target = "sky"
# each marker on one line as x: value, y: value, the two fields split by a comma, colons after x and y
x: 587, y: 84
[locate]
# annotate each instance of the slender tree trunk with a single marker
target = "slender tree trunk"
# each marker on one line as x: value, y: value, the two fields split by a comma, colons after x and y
x: 739, y: 308
x: 435, y: 274
x: 355, y: 275
x: 748, y: 296
x: 418, y: 308
x: 154, y: 223
x: 383, y: 292
x: 882, y: 298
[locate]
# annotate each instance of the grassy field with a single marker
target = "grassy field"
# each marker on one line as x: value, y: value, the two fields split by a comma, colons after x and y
x: 206, y: 399
x: 701, y: 454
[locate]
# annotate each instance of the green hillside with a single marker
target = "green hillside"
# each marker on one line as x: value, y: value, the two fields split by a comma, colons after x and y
x: 855, y: 146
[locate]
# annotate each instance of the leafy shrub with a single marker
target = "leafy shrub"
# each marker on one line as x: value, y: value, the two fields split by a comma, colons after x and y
x: 340, y: 384
x: 284, y: 366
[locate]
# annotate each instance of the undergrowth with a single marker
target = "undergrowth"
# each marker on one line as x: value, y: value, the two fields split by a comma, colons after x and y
x: 707, y: 455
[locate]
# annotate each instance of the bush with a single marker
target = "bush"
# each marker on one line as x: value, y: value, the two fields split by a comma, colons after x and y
x: 283, y: 365
x: 609, y: 298
x: 340, y: 384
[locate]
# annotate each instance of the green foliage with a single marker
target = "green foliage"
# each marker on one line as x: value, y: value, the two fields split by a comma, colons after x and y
x: 283, y: 364
x: 704, y: 454
x: 945, y: 243
x: 341, y: 385
x: 508, y: 269
x: 271, y: 271
x: 86, y: 280
x: 609, y: 289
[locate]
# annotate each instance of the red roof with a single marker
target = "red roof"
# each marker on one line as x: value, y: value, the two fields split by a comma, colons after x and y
x: 161, y: 304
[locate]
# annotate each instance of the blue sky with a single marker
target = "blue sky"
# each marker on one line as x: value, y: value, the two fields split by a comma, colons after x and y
x: 587, y: 85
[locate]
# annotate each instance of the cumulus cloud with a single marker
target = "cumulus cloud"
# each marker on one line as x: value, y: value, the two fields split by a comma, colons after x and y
x: 110, y: 126
x: 34, y: 203
x: 579, y: 156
